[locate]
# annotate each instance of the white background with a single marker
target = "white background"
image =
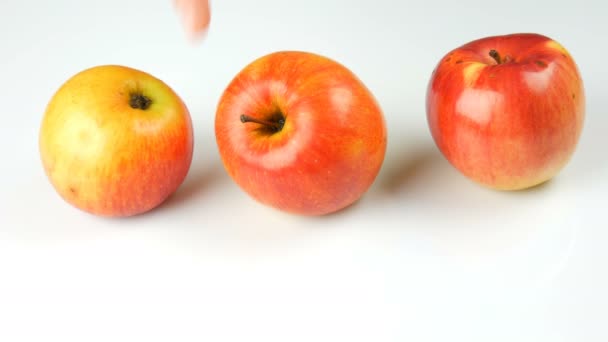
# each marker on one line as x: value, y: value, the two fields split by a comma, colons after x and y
x: 425, y: 255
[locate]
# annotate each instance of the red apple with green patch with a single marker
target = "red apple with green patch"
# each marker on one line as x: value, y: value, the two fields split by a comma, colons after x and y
x: 300, y: 132
x: 507, y: 111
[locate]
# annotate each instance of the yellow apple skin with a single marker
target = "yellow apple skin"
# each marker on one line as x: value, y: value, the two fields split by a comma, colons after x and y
x: 115, y: 141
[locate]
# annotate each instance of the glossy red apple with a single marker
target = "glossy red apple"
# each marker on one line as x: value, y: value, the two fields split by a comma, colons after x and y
x: 300, y: 132
x: 507, y: 111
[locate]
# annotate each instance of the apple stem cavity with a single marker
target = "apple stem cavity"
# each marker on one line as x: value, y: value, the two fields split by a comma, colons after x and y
x: 139, y: 101
x: 274, y: 125
x: 494, y: 54
x: 498, y: 58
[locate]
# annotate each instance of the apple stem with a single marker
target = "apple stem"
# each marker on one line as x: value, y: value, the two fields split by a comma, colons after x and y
x: 498, y: 58
x: 494, y: 54
x: 275, y: 126
x: 139, y: 101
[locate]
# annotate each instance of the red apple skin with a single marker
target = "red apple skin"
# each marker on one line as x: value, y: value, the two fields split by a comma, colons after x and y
x: 332, y: 143
x: 508, y: 125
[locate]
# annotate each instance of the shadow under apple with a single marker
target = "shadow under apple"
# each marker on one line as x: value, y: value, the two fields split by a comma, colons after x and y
x: 200, y: 177
x: 405, y: 170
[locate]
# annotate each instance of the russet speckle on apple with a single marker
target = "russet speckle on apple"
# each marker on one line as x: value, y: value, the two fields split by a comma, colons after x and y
x: 507, y: 111
x: 115, y: 141
x: 301, y: 133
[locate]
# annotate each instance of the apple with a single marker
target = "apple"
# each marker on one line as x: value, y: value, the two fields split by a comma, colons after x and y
x: 300, y: 132
x: 507, y: 111
x: 115, y: 141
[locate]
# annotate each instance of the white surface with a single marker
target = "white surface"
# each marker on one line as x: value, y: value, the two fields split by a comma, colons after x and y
x: 424, y: 256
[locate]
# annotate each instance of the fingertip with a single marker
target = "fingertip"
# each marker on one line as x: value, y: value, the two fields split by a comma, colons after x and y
x: 196, y: 17
x: 197, y: 36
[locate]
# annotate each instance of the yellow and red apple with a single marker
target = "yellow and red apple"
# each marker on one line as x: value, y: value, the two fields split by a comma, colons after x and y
x: 115, y: 141
x: 507, y: 111
x: 300, y: 132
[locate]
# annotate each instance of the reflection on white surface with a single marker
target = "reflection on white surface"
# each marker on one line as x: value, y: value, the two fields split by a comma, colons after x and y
x: 478, y: 104
x: 563, y: 248
x: 522, y: 244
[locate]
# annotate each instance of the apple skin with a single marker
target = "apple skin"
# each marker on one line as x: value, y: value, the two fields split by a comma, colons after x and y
x: 331, y: 145
x: 108, y: 158
x: 508, y: 125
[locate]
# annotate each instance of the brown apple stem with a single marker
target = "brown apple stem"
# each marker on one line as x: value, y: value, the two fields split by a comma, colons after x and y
x: 500, y: 59
x: 275, y: 126
x: 139, y: 101
x: 494, y: 54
